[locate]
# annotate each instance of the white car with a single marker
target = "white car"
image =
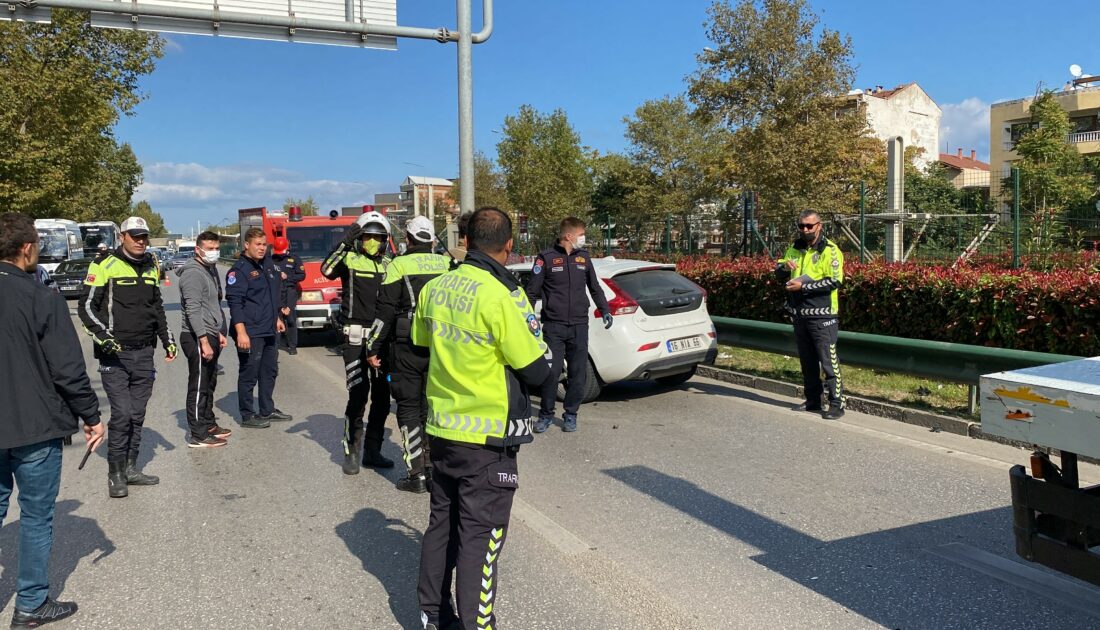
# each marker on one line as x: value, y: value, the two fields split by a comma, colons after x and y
x: 661, y: 330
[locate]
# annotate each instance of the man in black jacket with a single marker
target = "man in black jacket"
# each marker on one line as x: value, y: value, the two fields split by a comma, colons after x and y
x: 292, y: 272
x: 561, y: 277
x: 45, y: 391
x: 124, y: 314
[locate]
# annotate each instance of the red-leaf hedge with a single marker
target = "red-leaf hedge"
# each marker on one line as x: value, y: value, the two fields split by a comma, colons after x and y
x: 1055, y: 311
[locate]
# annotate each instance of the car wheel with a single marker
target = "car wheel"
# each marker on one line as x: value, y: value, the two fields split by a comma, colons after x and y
x: 676, y: 380
x: 592, y: 384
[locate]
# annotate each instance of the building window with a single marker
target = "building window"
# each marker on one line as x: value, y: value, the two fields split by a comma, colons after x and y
x: 1084, y: 124
x: 1017, y: 130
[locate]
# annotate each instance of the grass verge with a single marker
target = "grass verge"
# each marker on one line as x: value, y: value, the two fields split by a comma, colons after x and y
x: 910, y: 391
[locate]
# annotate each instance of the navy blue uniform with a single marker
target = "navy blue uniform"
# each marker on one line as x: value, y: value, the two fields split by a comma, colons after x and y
x: 253, y: 291
x: 561, y: 281
x: 295, y: 272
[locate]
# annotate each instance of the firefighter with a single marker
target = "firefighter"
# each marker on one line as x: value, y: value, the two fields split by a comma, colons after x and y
x: 561, y: 277
x: 292, y: 271
x: 359, y: 261
x: 405, y: 276
x: 813, y: 269
x: 124, y: 314
x: 486, y: 349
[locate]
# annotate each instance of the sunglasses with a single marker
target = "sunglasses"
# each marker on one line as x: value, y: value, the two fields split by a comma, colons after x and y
x: 807, y: 226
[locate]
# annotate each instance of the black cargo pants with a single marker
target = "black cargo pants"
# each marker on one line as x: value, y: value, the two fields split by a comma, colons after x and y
x: 816, y: 340
x: 471, y: 504
x: 408, y: 383
x: 127, y: 377
x: 360, y: 379
x: 569, y: 344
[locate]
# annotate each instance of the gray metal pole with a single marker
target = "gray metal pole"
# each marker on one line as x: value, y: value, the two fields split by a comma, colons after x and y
x: 465, y: 109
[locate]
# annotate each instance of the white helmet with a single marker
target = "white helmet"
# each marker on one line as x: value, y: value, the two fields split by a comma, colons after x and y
x: 374, y: 222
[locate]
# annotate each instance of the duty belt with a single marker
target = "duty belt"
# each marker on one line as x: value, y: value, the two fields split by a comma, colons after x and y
x: 135, y: 347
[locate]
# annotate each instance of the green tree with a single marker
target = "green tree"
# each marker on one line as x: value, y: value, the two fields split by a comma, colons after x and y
x: 308, y: 205
x: 1054, y: 179
x: 63, y: 86
x: 545, y: 169
x: 156, y: 222
x: 777, y: 80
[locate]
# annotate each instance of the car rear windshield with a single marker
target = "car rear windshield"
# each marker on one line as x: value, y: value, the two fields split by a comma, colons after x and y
x: 74, y: 266
x: 661, y: 291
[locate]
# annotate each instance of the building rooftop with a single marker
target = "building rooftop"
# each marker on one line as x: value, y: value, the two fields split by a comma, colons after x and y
x: 1056, y: 93
x: 420, y: 180
x: 964, y: 163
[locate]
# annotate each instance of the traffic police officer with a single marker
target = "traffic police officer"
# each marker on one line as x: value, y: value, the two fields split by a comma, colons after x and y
x: 405, y: 276
x: 813, y: 269
x: 560, y: 277
x: 360, y: 264
x: 124, y: 314
x: 254, y: 293
x: 291, y: 271
x: 486, y: 349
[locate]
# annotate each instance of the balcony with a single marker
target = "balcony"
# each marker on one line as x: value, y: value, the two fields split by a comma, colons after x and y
x: 1086, y: 136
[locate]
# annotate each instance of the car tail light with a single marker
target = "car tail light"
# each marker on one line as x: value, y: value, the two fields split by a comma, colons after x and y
x: 620, y: 303
x: 649, y: 346
x: 712, y: 335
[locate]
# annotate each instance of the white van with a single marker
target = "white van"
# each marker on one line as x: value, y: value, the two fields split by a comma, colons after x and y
x: 58, y: 240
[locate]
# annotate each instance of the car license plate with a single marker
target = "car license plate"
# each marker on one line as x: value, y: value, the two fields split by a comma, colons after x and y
x: 687, y: 343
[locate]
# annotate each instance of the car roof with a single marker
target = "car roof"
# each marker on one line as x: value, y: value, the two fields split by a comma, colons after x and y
x: 609, y: 267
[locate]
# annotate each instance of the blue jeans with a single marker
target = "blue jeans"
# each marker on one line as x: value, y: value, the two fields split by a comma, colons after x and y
x: 36, y: 470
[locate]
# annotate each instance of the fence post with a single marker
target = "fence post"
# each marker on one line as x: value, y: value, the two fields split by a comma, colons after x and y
x: 862, y: 221
x: 1016, y: 218
x: 668, y: 236
x: 691, y: 246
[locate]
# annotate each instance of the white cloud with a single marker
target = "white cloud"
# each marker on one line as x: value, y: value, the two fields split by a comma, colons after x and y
x: 965, y: 126
x: 188, y: 192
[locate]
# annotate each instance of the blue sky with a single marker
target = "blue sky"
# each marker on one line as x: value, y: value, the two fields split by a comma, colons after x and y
x: 232, y: 123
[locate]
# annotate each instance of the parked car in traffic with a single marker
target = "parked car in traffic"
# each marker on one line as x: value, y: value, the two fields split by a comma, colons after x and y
x: 69, y: 277
x: 178, y: 260
x: 662, y: 329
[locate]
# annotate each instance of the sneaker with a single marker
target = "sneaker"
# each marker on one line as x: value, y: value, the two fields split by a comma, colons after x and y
x: 220, y: 432
x: 47, y: 612
x: 416, y: 484
x: 254, y: 422
x: 543, y: 424
x: 569, y: 424
x: 207, y: 442
x: 278, y: 416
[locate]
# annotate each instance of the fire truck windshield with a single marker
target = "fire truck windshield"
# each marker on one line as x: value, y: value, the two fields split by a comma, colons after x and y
x: 314, y: 243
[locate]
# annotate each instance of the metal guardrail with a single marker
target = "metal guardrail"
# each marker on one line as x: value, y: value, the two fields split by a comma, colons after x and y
x: 956, y: 362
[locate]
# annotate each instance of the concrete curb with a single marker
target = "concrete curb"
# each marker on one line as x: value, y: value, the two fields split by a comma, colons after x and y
x: 878, y: 408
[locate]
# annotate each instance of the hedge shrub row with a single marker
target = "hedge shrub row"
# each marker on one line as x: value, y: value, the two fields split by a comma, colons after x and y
x: 1053, y: 311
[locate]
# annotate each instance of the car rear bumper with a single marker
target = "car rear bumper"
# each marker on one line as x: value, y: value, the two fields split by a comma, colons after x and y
x: 676, y: 364
x: 317, y: 316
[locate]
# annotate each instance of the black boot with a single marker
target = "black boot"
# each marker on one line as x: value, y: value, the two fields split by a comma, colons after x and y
x: 116, y: 479
x: 372, y: 455
x: 351, y: 453
x: 417, y: 484
x: 48, y: 612
x: 135, y: 477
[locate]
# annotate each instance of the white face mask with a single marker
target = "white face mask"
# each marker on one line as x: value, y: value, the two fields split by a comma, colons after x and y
x: 580, y: 241
x: 211, y: 257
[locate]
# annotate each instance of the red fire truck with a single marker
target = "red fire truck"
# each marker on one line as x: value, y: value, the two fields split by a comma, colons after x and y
x: 311, y: 239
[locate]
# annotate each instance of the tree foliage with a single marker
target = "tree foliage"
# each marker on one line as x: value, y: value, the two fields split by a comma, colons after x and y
x: 308, y: 206
x: 777, y: 80
x: 63, y: 87
x: 156, y: 222
x: 545, y: 169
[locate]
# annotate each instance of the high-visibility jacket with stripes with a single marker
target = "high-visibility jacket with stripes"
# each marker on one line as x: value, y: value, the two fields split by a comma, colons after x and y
x: 483, y: 337
x: 361, y: 277
x: 124, y: 302
x: 821, y: 269
x: 406, y: 275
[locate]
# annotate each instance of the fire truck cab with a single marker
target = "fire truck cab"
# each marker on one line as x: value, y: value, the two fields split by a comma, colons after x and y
x: 311, y: 239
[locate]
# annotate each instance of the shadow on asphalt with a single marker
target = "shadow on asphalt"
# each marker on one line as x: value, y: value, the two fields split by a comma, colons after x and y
x: 390, y: 551
x: 151, y: 441
x: 328, y: 432
x: 74, y: 537
x: 627, y: 391
x: 883, y: 575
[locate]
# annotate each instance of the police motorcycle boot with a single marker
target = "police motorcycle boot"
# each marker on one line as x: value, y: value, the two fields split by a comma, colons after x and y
x: 48, y: 612
x: 417, y: 484
x: 543, y: 424
x: 116, y: 479
x: 351, y: 453
x: 135, y: 477
x: 254, y: 421
x: 835, y: 412
x: 372, y: 455
x: 569, y: 423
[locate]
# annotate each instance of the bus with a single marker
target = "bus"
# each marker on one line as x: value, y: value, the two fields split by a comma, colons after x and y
x: 58, y: 240
x: 95, y: 233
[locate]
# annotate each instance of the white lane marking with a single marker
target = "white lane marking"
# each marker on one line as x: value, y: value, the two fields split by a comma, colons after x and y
x: 1063, y: 591
x: 566, y: 541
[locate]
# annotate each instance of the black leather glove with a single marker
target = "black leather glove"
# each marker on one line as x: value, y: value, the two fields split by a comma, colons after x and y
x: 354, y: 232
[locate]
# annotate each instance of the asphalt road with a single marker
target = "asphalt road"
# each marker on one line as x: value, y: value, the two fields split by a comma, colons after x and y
x: 706, y: 506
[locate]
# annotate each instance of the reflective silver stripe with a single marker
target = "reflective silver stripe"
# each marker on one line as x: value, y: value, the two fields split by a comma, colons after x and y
x: 355, y: 373
x: 110, y: 306
x: 91, y: 310
x: 354, y: 383
x: 351, y: 366
x: 412, y: 296
x: 468, y: 424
